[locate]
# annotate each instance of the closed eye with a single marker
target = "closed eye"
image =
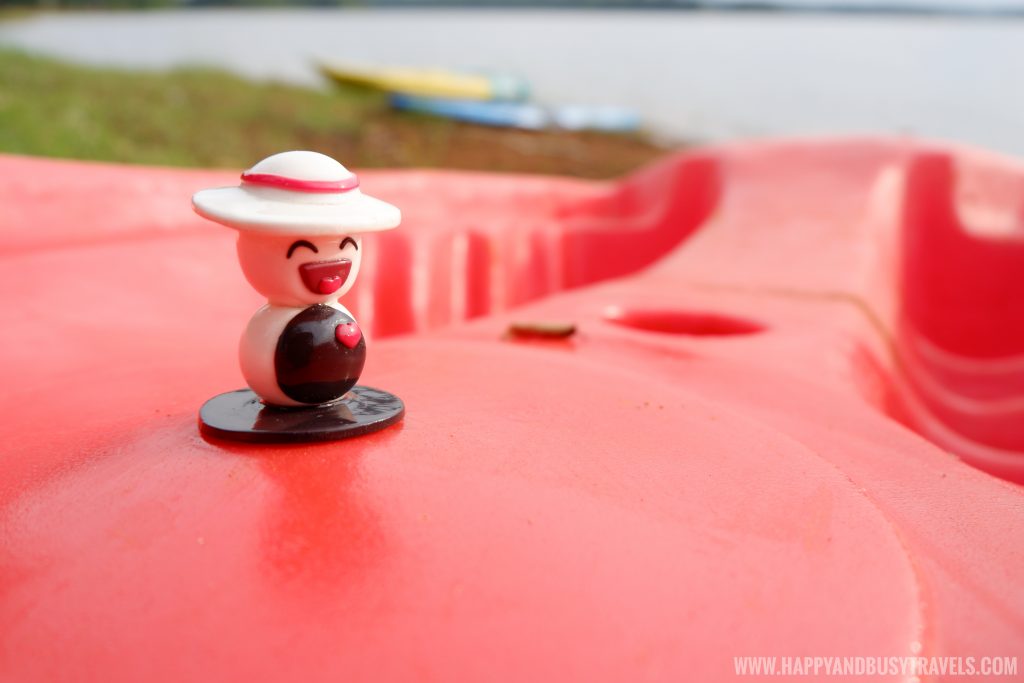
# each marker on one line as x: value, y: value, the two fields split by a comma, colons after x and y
x: 302, y: 243
x: 349, y: 240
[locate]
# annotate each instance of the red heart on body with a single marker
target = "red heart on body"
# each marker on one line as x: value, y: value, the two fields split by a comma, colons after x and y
x: 348, y: 334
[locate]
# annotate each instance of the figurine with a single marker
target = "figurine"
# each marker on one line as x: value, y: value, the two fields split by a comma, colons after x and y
x: 300, y: 217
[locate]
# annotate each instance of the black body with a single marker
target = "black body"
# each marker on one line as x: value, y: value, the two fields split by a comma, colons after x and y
x: 311, y: 365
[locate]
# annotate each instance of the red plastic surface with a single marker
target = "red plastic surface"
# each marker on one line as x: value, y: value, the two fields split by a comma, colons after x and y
x: 710, y: 467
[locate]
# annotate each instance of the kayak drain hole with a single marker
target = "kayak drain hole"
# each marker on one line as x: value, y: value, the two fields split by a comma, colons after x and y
x: 694, y: 323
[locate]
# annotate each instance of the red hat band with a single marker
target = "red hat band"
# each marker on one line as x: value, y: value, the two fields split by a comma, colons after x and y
x: 295, y: 185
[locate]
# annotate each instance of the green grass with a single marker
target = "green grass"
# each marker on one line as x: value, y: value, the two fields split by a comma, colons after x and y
x: 184, y: 117
x: 201, y: 117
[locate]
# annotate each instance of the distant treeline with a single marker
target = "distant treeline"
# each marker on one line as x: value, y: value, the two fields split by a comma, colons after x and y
x: 124, y: 4
x: 954, y: 7
x: 120, y: 4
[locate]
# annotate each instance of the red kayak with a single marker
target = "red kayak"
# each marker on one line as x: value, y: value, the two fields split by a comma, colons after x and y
x: 790, y: 422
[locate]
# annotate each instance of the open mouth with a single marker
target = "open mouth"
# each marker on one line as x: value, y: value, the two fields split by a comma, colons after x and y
x: 325, y: 277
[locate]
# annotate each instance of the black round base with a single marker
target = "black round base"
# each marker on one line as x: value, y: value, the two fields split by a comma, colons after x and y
x: 239, y: 416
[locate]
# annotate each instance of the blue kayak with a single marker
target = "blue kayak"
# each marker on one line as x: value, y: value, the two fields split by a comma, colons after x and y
x: 522, y: 115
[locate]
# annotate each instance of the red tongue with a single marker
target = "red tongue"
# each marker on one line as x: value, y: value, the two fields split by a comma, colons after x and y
x: 325, y: 277
x: 329, y: 285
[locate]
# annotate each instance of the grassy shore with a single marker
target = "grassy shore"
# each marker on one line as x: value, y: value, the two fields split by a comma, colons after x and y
x: 198, y: 117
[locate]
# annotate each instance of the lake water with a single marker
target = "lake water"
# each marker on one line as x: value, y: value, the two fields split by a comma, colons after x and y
x: 691, y: 75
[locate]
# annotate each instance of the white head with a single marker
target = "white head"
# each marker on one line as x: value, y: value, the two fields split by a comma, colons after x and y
x: 300, y: 271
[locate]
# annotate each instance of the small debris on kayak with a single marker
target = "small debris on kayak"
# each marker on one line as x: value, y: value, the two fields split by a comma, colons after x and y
x: 540, y: 330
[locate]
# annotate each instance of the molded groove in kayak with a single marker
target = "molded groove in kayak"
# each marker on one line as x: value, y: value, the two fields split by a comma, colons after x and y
x: 536, y: 248
x: 960, y: 328
x: 646, y: 217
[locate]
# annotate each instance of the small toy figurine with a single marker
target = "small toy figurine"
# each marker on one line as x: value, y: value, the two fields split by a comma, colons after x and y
x: 299, y: 216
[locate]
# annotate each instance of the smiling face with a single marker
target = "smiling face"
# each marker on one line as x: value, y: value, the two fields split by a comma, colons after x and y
x: 293, y: 271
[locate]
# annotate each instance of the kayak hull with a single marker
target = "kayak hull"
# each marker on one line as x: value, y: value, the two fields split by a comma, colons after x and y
x: 716, y: 463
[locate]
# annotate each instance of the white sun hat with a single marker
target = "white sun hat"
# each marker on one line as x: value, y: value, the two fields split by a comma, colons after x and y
x: 304, y: 193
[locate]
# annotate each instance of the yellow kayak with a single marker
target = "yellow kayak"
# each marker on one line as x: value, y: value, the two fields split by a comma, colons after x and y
x: 429, y: 82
